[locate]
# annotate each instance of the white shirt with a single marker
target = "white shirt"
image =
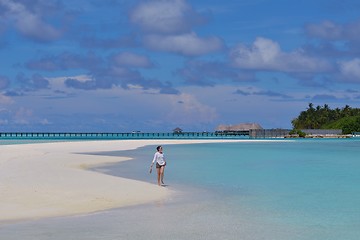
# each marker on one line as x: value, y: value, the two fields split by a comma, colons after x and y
x: 159, y: 158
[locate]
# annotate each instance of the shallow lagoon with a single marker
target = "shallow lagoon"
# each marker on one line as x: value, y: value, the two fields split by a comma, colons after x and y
x: 302, y: 189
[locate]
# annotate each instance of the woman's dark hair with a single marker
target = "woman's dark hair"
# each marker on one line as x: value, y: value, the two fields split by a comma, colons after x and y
x: 158, y: 147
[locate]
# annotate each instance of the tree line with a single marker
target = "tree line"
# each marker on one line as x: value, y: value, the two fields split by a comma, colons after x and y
x: 322, y: 117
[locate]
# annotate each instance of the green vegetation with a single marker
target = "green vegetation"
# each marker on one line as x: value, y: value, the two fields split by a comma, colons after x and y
x: 322, y: 117
x: 297, y: 132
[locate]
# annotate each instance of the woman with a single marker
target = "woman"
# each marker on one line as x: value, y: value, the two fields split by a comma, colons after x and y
x: 160, y: 164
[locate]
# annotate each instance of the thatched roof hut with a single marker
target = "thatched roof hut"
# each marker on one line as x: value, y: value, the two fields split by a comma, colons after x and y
x: 238, y: 127
x: 177, y: 130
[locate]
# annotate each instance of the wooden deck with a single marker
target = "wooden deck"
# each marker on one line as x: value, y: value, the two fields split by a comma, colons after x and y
x: 253, y: 134
x: 137, y: 135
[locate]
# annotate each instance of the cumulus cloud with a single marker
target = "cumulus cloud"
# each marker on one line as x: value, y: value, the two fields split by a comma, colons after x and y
x: 209, y: 73
x: 80, y: 84
x: 350, y: 70
x: 39, y: 82
x: 325, y: 30
x: 29, y: 20
x: 168, y: 89
x: 266, y: 54
x: 35, y: 82
x: 165, y: 16
x: 271, y: 94
x: 64, y: 61
x: 119, y: 77
x: 188, y: 44
x: 13, y: 93
x: 242, y: 92
x: 168, y: 25
x: 267, y: 93
x: 329, y: 30
x: 132, y: 60
x: 337, y: 40
x: 187, y: 109
x: 118, y: 70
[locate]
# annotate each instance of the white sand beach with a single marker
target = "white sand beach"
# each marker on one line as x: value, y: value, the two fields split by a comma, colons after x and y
x: 51, y: 179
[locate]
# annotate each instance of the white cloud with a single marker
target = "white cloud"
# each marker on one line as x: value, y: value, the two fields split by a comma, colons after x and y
x: 28, y: 23
x: 326, y: 29
x: 332, y: 31
x: 132, y: 60
x: 350, y: 70
x: 188, y: 44
x: 58, y: 83
x: 168, y: 26
x: 266, y: 54
x: 164, y: 16
x: 118, y: 106
x: 186, y: 109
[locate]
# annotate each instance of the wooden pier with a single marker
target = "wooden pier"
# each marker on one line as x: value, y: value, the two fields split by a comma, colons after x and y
x: 137, y: 135
x: 252, y: 133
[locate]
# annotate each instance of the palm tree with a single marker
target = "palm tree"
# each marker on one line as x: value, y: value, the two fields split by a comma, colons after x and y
x: 346, y: 111
x: 311, y: 106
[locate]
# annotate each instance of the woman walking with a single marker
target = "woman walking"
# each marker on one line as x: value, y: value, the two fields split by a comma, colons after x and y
x: 160, y: 164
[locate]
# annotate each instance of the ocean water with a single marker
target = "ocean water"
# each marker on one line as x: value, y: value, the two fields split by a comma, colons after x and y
x: 280, y: 189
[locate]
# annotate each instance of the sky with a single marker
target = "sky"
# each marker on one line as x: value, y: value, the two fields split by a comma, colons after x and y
x: 152, y: 66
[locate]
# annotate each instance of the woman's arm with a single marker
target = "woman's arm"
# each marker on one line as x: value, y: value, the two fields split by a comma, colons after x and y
x: 153, y: 161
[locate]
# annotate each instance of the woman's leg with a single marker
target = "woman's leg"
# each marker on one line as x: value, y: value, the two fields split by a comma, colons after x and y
x: 162, y: 170
x: 158, y: 175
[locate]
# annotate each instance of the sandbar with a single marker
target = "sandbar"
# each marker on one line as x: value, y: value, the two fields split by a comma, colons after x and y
x: 53, y: 179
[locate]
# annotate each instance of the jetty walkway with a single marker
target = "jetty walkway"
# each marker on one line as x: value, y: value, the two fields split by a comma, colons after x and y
x: 252, y: 133
x: 132, y: 135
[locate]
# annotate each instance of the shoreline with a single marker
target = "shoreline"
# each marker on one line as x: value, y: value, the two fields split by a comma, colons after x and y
x: 43, y: 180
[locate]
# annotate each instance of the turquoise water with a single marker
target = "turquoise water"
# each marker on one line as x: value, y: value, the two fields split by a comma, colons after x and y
x: 304, y: 185
x: 300, y: 183
x: 302, y: 190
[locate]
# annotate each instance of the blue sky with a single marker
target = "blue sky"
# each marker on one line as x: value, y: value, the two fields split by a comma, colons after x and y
x: 124, y: 65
